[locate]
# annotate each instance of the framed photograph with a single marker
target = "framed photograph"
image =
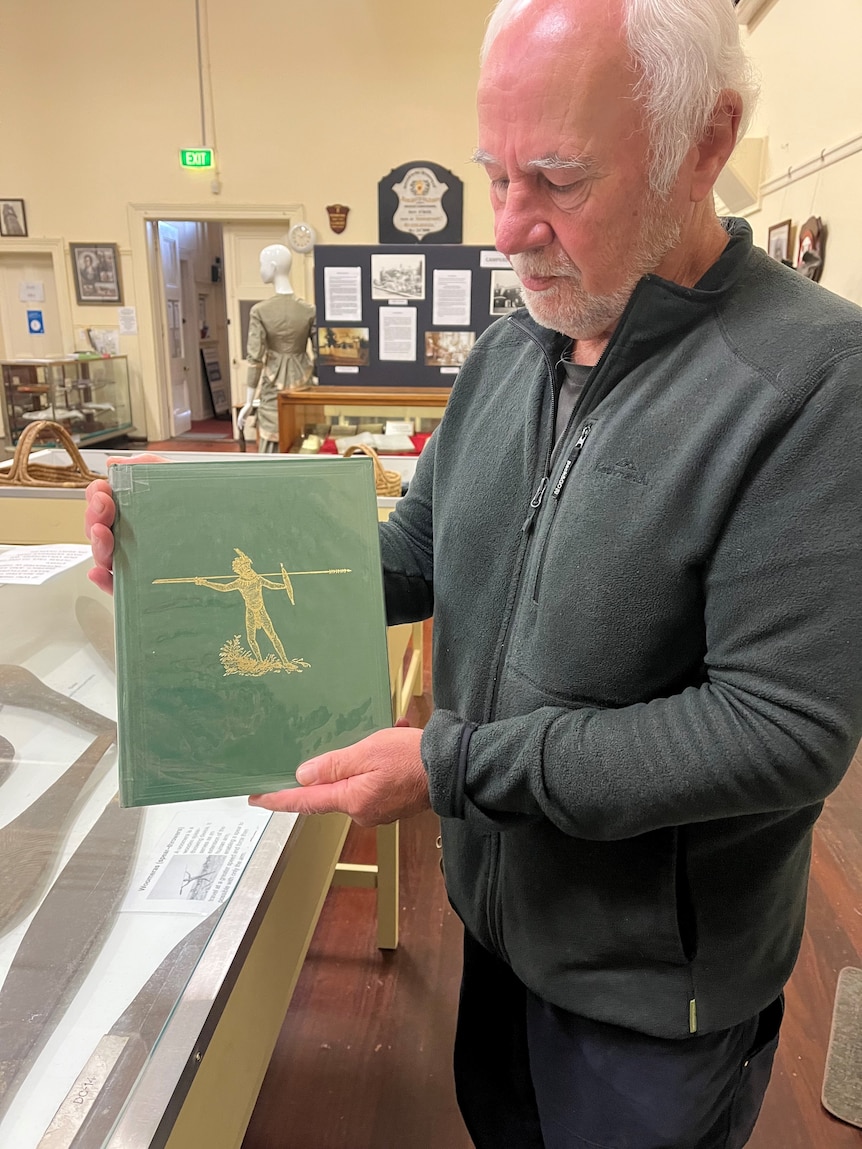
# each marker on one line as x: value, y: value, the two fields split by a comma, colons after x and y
x: 507, y: 294
x: 97, y: 272
x: 13, y: 220
x: 778, y: 240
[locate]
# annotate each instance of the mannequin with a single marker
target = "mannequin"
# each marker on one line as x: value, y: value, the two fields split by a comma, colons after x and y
x: 278, y: 333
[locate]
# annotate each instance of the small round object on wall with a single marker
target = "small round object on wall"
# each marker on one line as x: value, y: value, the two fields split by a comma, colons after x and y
x: 301, y: 238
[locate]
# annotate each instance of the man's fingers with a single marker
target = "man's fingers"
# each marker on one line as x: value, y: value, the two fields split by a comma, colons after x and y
x: 327, y: 768
x: 102, y: 544
x: 102, y: 578
x: 313, y: 800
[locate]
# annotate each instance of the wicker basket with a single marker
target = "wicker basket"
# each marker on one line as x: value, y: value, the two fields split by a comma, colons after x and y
x: 386, y: 483
x: 23, y: 473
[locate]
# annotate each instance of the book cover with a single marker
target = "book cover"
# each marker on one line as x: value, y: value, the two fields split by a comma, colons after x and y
x: 250, y: 623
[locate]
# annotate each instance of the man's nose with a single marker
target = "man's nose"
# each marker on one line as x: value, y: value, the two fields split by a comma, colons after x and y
x: 520, y: 224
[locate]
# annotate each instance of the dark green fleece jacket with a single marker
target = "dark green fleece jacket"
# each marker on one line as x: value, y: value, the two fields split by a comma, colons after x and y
x: 646, y: 654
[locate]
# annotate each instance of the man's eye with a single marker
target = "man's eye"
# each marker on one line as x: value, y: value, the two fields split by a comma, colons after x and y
x: 500, y: 187
x: 566, y: 188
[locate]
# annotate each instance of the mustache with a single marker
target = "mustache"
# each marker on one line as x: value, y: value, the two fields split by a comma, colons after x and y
x: 534, y: 264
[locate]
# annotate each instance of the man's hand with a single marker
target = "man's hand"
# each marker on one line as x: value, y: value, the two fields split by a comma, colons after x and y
x: 100, y: 518
x: 376, y: 781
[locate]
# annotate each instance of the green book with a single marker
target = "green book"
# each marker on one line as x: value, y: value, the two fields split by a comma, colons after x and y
x: 251, y: 633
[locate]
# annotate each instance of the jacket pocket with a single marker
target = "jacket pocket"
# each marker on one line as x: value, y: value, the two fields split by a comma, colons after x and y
x: 593, y: 904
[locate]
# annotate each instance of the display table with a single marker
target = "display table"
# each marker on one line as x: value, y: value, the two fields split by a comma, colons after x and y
x: 296, y: 409
x: 189, y: 1074
x: 51, y: 515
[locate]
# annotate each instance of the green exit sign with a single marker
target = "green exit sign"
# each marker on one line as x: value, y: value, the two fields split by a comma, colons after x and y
x: 196, y: 157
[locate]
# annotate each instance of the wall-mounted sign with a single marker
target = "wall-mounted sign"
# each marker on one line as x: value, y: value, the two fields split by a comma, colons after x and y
x: 35, y: 323
x: 338, y: 213
x: 196, y: 157
x: 420, y: 202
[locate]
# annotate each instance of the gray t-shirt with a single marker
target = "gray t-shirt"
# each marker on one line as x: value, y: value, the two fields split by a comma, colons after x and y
x: 574, y: 381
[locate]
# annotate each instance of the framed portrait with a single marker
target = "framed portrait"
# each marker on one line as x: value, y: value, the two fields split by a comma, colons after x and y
x: 97, y: 272
x: 778, y: 243
x: 13, y: 219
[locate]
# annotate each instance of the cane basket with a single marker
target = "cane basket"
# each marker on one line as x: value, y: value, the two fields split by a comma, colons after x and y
x: 26, y: 473
x: 386, y: 483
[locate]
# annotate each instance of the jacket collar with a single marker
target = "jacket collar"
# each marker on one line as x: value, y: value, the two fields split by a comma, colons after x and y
x: 658, y: 307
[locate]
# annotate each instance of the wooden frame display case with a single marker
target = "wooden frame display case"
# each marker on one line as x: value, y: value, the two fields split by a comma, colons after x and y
x: 298, y: 410
x: 88, y: 396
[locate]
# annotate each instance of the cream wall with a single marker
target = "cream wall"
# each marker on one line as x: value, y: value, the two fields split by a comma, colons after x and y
x: 811, y: 101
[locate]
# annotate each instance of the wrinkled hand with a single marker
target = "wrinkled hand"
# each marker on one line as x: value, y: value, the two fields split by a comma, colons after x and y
x: 100, y: 518
x: 376, y: 781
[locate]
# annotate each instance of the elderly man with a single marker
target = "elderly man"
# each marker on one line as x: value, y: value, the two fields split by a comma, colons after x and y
x: 638, y: 529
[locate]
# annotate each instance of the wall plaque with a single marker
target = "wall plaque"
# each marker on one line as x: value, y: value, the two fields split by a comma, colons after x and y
x: 420, y: 202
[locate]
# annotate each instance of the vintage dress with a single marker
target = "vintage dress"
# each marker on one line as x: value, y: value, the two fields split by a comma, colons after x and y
x: 277, y: 352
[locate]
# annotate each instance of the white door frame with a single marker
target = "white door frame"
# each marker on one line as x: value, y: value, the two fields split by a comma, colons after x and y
x: 56, y: 248
x: 149, y: 291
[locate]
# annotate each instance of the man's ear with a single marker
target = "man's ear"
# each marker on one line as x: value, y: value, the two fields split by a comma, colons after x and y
x: 714, y: 150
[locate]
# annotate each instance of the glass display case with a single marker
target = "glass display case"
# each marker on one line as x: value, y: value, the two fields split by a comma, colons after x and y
x: 89, y: 396
x: 141, y: 993
x: 121, y: 950
x: 318, y: 410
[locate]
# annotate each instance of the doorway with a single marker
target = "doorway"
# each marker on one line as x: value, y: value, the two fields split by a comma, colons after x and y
x: 187, y: 269
x: 30, y: 324
x: 216, y: 292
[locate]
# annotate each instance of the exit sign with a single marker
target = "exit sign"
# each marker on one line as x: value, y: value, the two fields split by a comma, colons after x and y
x: 196, y: 157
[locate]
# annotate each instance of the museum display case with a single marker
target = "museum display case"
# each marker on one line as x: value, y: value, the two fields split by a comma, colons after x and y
x: 141, y: 991
x: 320, y: 409
x: 89, y: 396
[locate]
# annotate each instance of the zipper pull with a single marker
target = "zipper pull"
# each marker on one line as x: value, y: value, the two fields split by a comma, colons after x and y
x: 536, y: 500
x: 572, y: 459
x: 535, y: 503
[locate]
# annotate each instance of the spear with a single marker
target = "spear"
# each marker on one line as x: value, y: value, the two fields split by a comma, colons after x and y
x: 267, y: 574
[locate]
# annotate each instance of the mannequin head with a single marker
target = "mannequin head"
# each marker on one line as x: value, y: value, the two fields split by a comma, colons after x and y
x: 275, y: 262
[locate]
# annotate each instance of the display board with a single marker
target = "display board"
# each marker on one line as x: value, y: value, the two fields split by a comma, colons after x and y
x: 215, y: 382
x: 405, y: 315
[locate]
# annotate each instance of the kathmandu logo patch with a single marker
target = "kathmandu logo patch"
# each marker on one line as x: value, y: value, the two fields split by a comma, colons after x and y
x: 623, y: 469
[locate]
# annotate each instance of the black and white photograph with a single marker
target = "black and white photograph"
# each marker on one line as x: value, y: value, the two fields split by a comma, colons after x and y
x: 343, y: 346
x: 13, y: 219
x: 97, y: 272
x: 447, y: 348
x: 507, y: 294
x: 398, y: 277
x: 778, y: 242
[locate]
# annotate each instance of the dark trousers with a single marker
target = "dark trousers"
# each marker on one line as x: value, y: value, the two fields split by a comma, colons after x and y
x: 529, y: 1075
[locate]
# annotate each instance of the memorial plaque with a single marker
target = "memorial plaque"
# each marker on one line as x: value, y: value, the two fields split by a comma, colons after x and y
x: 420, y: 202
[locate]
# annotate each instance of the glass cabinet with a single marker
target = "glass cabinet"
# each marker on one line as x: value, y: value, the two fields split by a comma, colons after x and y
x: 89, y: 396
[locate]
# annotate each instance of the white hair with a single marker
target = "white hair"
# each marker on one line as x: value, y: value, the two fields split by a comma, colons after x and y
x: 687, y: 53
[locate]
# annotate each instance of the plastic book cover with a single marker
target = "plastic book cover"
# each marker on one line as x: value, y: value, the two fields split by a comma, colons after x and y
x: 250, y: 623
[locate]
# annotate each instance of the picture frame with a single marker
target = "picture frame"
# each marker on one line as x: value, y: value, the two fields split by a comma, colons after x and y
x: 13, y: 218
x: 96, y: 268
x: 778, y: 240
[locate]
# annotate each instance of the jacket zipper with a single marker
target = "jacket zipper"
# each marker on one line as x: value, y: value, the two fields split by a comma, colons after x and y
x: 493, y: 893
x: 571, y: 461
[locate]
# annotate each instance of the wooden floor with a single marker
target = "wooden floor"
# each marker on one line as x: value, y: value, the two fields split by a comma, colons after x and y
x: 363, y: 1060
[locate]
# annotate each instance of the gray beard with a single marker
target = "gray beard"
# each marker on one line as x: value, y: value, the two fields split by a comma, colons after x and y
x: 567, y: 308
